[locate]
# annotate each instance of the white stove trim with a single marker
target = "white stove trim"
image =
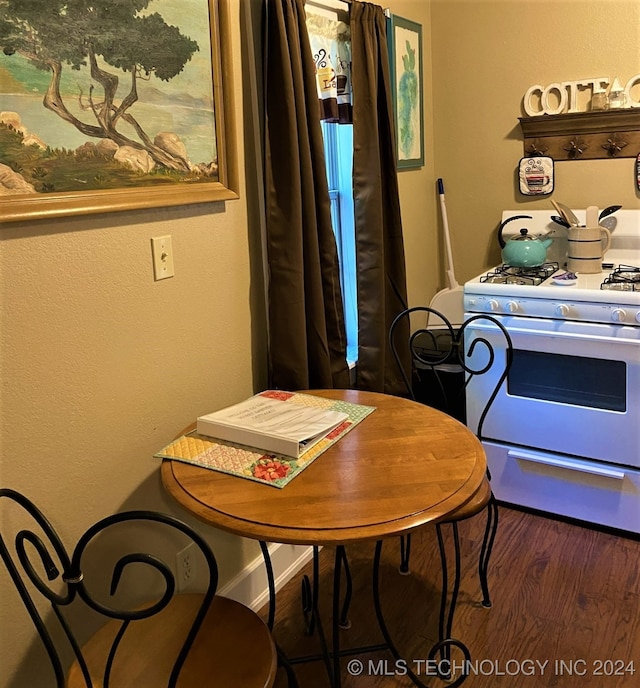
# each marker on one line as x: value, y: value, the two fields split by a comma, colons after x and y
x: 604, y: 311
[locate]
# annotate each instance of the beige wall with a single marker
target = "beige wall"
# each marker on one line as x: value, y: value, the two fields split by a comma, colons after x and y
x: 418, y: 196
x: 100, y: 365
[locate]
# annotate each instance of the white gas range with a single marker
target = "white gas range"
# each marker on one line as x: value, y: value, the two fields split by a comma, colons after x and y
x: 563, y: 435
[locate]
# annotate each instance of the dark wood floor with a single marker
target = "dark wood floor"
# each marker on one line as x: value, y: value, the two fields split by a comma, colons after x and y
x: 566, y: 609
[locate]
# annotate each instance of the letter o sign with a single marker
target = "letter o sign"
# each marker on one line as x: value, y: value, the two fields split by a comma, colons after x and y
x: 562, y: 99
x: 528, y: 106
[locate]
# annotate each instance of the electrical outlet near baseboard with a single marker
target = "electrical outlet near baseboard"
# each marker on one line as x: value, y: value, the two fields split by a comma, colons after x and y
x: 186, y: 567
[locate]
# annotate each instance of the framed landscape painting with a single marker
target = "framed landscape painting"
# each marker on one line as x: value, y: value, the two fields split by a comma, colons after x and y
x: 112, y: 107
x: 404, y: 39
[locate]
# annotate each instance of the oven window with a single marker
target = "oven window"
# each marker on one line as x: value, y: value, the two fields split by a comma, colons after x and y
x: 576, y: 380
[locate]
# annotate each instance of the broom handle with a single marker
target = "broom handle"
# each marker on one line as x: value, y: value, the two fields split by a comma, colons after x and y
x: 451, y: 278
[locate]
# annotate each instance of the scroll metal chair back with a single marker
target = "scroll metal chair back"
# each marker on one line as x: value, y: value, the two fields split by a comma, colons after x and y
x: 500, y: 367
x: 477, y: 359
x: 431, y: 347
x: 38, y: 562
x: 476, y: 355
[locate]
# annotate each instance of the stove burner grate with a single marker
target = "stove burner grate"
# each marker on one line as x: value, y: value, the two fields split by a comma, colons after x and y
x: 623, y: 278
x: 507, y: 274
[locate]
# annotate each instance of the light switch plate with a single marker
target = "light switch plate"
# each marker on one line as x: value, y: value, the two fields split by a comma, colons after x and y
x: 162, y: 251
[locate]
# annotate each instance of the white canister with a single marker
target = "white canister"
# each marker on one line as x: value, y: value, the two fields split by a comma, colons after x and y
x: 586, y: 248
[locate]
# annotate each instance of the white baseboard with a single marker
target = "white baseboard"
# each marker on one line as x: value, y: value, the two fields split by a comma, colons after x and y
x: 250, y: 585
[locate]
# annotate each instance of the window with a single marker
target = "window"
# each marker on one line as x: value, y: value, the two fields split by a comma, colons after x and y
x: 338, y: 149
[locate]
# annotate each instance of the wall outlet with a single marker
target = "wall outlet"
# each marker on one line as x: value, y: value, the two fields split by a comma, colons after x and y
x: 186, y: 566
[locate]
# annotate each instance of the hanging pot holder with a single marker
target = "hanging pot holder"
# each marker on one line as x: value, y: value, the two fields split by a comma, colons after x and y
x: 536, y: 175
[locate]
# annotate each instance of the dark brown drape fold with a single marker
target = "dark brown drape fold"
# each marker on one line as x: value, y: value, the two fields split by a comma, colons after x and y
x: 307, y: 341
x: 382, y: 290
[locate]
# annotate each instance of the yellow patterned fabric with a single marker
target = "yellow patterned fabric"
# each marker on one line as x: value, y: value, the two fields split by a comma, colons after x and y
x: 254, y: 464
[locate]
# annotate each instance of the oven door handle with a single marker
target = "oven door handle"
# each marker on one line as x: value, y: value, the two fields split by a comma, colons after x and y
x: 515, y: 330
x: 569, y: 464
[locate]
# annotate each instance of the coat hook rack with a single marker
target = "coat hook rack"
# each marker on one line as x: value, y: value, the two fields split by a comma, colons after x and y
x: 583, y: 135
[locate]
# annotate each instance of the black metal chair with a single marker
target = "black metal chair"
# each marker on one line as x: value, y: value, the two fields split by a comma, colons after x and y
x: 452, y: 358
x: 184, y: 640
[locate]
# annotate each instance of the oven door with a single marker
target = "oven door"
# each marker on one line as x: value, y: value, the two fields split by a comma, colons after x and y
x: 573, y: 388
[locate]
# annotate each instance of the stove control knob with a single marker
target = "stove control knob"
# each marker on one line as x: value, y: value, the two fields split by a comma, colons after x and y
x: 493, y: 305
x: 512, y: 306
x: 638, y: 316
x: 562, y: 310
x: 618, y: 315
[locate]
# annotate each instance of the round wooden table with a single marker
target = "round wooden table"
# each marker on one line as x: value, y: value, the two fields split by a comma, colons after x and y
x: 403, y: 466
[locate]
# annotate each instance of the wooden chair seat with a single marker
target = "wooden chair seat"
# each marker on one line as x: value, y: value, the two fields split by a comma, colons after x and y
x: 151, y: 637
x: 474, y: 506
x: 233, y: 648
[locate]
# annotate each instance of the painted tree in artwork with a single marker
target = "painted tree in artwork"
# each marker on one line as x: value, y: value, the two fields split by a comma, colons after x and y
x: 111, y: 37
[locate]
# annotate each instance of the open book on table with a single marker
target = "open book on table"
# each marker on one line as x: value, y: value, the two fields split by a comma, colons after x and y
x: 266, y: 422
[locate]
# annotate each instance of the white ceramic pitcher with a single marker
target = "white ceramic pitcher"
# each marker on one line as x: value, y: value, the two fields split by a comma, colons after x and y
x: 587, y: 245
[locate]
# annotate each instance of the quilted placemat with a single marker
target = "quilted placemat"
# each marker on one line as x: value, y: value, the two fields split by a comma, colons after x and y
x: 252, y: 464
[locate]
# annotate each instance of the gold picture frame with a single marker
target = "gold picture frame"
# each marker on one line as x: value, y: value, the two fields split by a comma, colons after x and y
x: 190, y: 184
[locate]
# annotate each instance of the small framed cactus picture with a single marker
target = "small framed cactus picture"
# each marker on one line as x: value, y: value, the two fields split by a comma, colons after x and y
x: 404, y: 38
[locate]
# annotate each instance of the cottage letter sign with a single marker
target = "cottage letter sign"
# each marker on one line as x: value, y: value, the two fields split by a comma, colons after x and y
x: 560, y: 97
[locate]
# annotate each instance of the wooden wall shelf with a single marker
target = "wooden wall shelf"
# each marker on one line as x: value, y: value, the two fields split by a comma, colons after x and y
x: 583, y: 135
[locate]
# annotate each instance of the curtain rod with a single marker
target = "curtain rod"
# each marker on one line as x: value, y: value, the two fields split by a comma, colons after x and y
x: 325, y: 5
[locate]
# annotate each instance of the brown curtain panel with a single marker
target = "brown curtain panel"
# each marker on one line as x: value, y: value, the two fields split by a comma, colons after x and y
x: 307, y: 341
x: 382, y: 289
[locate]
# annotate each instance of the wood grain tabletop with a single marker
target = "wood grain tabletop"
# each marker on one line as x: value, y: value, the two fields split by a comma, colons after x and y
x: 403, y: 466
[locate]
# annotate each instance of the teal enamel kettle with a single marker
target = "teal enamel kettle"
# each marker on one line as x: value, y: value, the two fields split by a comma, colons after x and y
x: 523, y: 250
